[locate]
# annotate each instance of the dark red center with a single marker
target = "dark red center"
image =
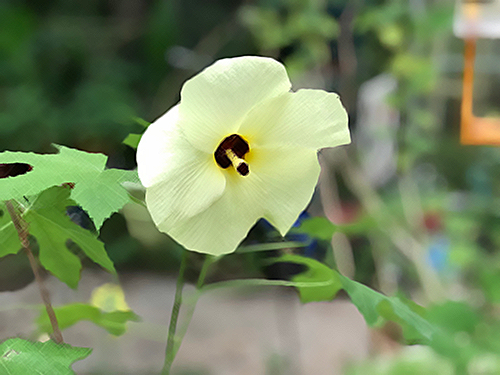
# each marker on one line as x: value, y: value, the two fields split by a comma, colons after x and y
x: 238, y: 146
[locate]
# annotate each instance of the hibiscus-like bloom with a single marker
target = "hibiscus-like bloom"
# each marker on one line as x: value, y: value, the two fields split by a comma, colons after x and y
x: 239, y: 146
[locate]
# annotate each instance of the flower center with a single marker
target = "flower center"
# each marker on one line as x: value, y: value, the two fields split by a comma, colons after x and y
x: 231, y: 151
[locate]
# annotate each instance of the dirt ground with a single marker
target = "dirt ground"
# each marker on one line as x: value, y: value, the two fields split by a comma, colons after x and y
x: 238, y: 331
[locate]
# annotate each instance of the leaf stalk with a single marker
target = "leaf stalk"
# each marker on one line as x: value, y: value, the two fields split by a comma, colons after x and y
x: 23, y: 233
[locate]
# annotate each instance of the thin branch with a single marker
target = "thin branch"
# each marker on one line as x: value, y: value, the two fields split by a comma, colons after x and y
x: 23, y: 233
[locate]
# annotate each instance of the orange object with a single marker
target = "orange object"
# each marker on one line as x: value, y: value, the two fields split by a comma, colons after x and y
x: 475, y: 130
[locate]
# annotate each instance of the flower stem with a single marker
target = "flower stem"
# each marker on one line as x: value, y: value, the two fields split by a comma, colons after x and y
x: 191, y: 303
x: 169, y: 352
x: 22, y: 231
x: 174, y: 344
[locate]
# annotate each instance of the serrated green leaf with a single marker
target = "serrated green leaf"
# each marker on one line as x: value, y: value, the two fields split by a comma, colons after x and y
x: 54, y: 255
x: 21, y: 357
x: 376, y: 307
x: 114, y: 322
x: 68, y: 165
x: 86, y: 170
x: 9, y: 239
x: 51, y: 226
x: 318, y: 227
x: 316, y: 273
x: 132, y: 140
x: 103, y: 195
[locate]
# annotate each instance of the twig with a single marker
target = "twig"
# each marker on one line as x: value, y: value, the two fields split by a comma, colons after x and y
x: 23, y: 233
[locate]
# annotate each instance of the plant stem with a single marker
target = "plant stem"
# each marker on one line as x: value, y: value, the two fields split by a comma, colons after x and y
x: 191, y: 304
x: 209, y: 259
x: 170, y: 352
x: 23, y: 233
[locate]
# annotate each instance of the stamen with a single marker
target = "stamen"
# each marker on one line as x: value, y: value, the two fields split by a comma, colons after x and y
x: 231, y: 152
x: 239, y: 164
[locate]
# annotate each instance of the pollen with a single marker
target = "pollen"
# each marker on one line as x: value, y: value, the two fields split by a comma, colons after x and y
x: 231, y: 152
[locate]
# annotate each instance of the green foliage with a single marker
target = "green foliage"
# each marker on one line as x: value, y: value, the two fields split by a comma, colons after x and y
x: 318, y: 227
x: 98, y: 190
x: 327, y: 281
x: 305, y: 24
x: 114, y: 322
x: 416, y: 360
x: 21, y: 357
x: 52, y: 228
x: 9, y: 239
x: 375, y: 307
x: 132, y: 140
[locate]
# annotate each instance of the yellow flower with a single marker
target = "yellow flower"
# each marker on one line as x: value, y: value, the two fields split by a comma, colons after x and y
x: 238, y: 147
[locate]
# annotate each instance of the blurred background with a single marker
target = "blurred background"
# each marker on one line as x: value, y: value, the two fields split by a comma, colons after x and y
x: 418, y: 213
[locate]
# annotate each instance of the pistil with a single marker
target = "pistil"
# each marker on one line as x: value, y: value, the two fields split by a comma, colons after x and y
x: 238, y: 163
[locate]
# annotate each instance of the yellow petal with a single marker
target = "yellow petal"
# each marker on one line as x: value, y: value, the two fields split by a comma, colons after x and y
x: 219, y: 229
x: 214, y: 102
x: 308, y: 118
x: 287, y: 177
x: 180, y: 180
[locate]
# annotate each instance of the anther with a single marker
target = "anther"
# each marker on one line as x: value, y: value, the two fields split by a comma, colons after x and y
x: 238, y: 163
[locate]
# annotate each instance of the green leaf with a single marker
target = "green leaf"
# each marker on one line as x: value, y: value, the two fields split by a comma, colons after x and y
x: 459, y: 323
x: 318, y: 227
x: 86, y: 170
x: 52, y: 228
x: 132, y: 140
x: 465, y: 319
x: 114, y: 322
x: 21, y: 357
x: 327, y: 280
x: 103, y: 194
x: 9, y: 239
x: 141, y: 122
x: 376, y: 308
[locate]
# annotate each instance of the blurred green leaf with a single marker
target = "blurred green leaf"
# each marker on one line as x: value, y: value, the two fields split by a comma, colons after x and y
x: 376, y: 308
x: 455, y: 338
x: 316, y: 272
x: 21, y: 357
x: 317, y: 227
x: 52, y: 228
x: 417, y: 71
x: 415, y: 360
x: 142, y: 122
x: 454, y: 316
x: 132, y: 140
x: 114, y: 322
